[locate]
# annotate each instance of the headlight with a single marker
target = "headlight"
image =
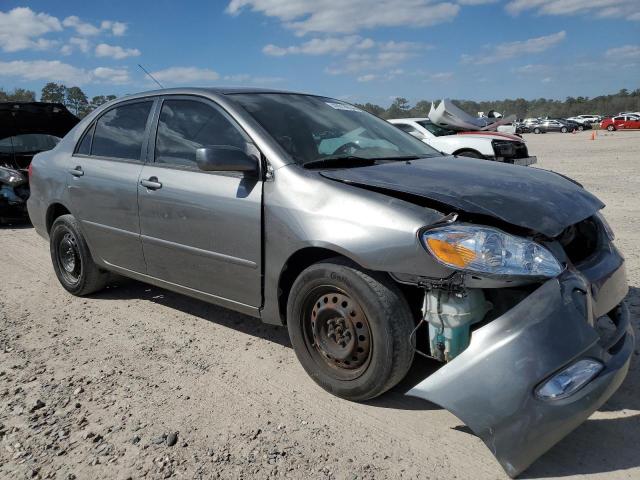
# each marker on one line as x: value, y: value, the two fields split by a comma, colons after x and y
x: 607, y: 228
x: 490, y: 251
x: 11, y: 177
x: 503, y: 148
x: 569, y: 380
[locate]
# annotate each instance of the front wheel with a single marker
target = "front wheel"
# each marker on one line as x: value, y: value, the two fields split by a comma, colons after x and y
x: 563, y: 129
x: 350, y: 329
x: 72, y: 262
x: 611, y: 128
x: 581, y: 128
x: 536, y: 131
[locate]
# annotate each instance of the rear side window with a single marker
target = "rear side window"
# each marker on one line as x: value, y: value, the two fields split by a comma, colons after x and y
x: 119, y: 133
x: 186, y: 125
x: 84, y: 147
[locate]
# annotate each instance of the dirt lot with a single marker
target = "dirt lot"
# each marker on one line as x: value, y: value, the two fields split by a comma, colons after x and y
x: 98, y: 387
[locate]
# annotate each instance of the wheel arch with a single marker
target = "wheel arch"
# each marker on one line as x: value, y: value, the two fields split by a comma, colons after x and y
x: 54, y: 211
x: 295, y: 265
x: 462, y: 151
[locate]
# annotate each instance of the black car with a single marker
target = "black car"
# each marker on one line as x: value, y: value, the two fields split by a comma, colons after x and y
x: 553, y: 125
x: 26, y: 128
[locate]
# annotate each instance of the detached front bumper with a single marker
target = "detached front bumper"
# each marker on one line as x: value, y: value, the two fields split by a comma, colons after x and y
x: 491, y: 385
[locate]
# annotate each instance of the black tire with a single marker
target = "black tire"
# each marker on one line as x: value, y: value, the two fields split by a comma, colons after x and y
x: 370, y: 306
x: 469, y: 154
x: 611, y: 128
x: 564, y: 130
x: 581, y: 128
x: 72, y: 261
x: 536, y: 131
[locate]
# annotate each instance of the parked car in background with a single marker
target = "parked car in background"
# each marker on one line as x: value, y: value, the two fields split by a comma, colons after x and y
x: 553, y: 126
x: 580, y: 123
x: 589, y: 118
x: 309, y: 212
x: 621, y: 122
x: 26, y: 128
x: 499, y: 146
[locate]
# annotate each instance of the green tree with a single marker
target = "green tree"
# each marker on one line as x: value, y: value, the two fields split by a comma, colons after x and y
x: 399, y: 108
x: 53, y: 93
x: 77, y: 101
x: 18, y: 95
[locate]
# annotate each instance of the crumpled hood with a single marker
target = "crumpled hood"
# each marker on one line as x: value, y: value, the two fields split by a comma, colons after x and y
x: 532, y: 198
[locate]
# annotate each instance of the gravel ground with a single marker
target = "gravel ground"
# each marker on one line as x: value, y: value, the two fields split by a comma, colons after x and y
x: 138, y: 382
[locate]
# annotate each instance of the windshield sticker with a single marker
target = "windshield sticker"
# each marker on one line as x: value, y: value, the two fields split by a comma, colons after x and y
x: 343, y: 106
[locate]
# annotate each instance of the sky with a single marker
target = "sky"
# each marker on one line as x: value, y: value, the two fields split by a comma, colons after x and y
x: 355, y: 50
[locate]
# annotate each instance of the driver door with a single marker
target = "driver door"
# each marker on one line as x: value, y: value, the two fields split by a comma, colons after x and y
x: 200, y: 230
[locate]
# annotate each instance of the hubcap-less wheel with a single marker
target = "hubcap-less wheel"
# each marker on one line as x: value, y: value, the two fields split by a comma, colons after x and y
x: 338, y: 333
x: 536, y: 131
x: 68, y: 257
x: 610, y: 128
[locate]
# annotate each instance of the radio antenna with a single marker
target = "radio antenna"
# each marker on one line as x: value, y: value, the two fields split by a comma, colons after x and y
x: 150, y: 76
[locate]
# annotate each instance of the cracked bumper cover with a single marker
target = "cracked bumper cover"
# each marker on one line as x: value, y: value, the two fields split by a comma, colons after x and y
x: 490, y: 386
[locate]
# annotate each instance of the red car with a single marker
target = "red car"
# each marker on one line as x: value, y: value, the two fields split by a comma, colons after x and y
x: 621, y: 122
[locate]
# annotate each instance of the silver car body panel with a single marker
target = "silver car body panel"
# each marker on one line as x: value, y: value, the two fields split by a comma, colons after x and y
x: 250, y: 228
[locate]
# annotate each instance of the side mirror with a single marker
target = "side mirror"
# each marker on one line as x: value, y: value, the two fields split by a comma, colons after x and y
x: 225, y: 158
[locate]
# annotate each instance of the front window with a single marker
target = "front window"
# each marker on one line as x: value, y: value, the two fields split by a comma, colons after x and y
x: 28, y: 143
x: 312, y: 129
x: 436, y: 130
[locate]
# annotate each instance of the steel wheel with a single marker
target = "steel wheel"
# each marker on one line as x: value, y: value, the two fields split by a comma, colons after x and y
x: 337, y: 333
x: 68, y: 258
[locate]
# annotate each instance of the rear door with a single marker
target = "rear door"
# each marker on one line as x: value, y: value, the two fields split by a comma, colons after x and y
x: 200, y: 230
x: 103, y: 183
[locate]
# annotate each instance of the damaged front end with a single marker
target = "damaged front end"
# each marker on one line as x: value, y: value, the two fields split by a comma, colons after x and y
x: 529, y: 360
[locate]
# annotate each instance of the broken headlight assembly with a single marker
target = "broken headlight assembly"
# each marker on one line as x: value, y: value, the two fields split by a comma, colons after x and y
x: 11, y: 177
x: 487, y: 250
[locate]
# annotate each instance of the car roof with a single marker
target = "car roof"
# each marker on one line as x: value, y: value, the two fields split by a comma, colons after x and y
x: 206, y: 91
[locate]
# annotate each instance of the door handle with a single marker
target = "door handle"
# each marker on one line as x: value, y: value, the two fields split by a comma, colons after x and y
x: 77, y: 172
x: 151, y: 183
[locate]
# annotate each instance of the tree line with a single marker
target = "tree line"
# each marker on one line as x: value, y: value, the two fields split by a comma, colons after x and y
x: 72, y: 97
x: 77, y: 101
x: 623, y: 101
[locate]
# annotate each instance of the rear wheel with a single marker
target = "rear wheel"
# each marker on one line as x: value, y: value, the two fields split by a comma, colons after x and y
x: 611, y: 128
x: 72, y: 262
x: 536, y: 131
x: 581, y: 128
x: 564, y: 130
x: 350, y: 329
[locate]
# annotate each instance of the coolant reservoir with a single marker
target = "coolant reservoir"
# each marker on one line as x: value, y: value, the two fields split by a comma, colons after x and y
x: 450, y: 316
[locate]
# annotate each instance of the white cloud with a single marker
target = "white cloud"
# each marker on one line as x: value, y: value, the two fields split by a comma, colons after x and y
x: 56, y: 71
x: 625, y: 52
x: 440, y: 76
x: 321, y: 46
x: 21, y: 27
x: 368, y: 77
x: 339, y: 16
x: 76, y: 43
x: 185, y: 75
x: 111, y: 75
x: 629, y: 9
x: 117, y: 28
x: 115, y: 51
x: 505, y: 51
x: 82, y: 28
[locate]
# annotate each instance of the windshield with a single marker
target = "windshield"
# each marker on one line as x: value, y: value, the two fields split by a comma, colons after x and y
x: 437, y: 130
x: 28, y: 143
x: 312, y: 129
